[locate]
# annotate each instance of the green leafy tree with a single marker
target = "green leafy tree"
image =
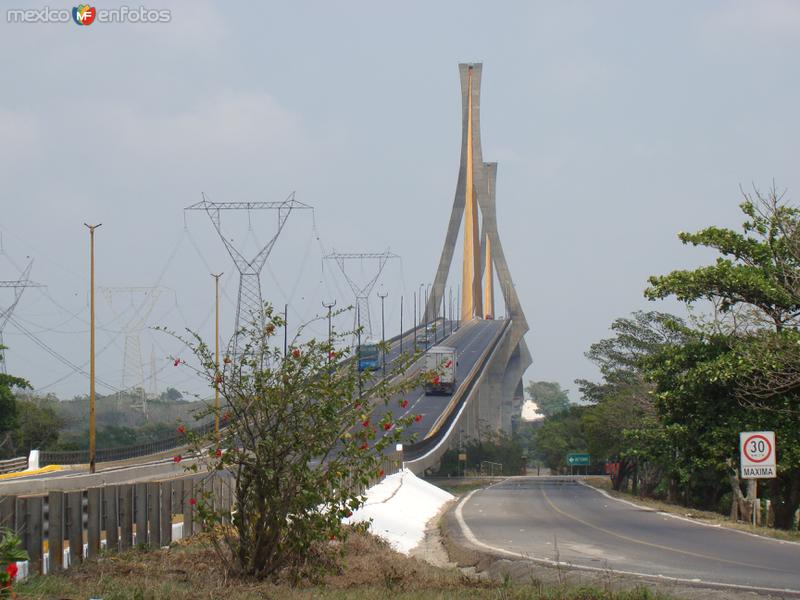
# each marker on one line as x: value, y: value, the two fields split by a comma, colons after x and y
x: 559, y: 435
x: 37, y: 427
x: 548, y: 397
x: 302, y: 439
x: 8, y: 406
x: 748, y: 360
x: 622, y: 405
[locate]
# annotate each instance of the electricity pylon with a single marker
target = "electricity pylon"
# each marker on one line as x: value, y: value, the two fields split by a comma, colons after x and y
x: 250, y: 305
x: 362, y: 291
x: 18, y: 286
x: 132, y: 364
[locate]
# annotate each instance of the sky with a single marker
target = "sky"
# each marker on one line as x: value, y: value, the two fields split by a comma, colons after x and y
x: 615, y: 125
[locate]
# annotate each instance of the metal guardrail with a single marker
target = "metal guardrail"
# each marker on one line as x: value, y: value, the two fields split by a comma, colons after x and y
x: 12, y: 465
x: 442, y: 425
x: 81, y: 457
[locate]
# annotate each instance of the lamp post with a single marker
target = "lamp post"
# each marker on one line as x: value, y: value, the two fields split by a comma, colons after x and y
x: 426, y: 317
x: 216, y: 354
x: 415, y: 320
x: 401, y: 325
x: 92, y: 431
x: 383, y: 332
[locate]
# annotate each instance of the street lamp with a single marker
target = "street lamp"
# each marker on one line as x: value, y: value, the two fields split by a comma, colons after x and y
x: 383, y: 332
x: 92, y: 447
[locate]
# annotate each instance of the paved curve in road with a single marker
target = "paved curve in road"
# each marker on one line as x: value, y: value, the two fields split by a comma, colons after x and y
x: 564, y: 520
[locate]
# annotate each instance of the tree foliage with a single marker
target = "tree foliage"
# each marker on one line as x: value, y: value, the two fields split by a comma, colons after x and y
x: 548, y: 397
x: 302, y: 439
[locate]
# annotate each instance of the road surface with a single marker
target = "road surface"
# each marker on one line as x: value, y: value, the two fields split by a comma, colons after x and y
x: 566, y: 521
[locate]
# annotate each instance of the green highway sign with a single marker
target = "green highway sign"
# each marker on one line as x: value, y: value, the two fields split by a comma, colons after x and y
x: 578, y: 460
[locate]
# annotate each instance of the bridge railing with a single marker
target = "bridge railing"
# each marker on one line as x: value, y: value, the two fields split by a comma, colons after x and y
x: 13, y: 465
x: 61, y: 529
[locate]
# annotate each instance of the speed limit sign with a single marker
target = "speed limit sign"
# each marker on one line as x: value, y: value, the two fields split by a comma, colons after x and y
x: 757, y: 454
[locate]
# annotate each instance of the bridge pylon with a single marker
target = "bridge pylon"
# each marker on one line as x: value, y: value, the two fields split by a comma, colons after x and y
x: 475, y: 203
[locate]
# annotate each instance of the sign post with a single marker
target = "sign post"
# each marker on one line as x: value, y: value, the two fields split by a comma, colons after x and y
x: 757, y: 458
x: 576, y: 459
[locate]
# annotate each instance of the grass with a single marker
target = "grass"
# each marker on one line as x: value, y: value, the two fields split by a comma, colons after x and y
x: 603, y: 483
x: 370, y: 570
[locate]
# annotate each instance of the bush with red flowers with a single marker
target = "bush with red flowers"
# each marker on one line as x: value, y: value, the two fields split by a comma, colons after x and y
x: 11, y: 553
x: 299, y: 442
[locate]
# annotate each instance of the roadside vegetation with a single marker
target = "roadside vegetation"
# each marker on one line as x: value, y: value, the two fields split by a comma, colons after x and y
x: 664, y: 420
x: 367, y: 569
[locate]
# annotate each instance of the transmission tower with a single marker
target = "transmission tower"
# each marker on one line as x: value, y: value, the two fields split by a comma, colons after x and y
x: 250, y: 305
x: 18, y: 286
x: 132, y: 365
x: 362, y: 290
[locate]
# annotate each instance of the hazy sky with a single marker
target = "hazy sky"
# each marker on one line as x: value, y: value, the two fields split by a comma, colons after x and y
x: 615, y: 125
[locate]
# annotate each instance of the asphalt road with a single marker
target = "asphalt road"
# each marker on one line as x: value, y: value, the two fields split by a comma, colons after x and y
x: 572, y: 523
x: 469, y: 341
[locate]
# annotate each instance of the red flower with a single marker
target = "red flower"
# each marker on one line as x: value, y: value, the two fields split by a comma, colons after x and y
x: 418, y: 418
x: 12, y: 570
x: 177, y: 362
x: 333, y: 537
x: 380, y: 473
x: 181, y: 429
x: 331, y: 354
x: 218, y: 452
x: 192, y: 501
x: 363, y: 446
x: 349, y: 513
x: 357, y: 405
x: 404, y: 403
x: 177, y: 458
x: 387, y: 426
x: 365, y: 422
x: 296, y: 353
x: 226, y: 416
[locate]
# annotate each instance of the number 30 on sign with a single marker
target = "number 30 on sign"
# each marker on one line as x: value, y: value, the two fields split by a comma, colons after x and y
x: 757, y: 454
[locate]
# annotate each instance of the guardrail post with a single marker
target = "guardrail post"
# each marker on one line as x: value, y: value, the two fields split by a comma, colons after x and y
x: 33, y: 517
x: 94, y: 511
x: 153, y: 505
x: 55, y: 530
x: 125, y: 516
x: 112, y: 518
x: 140, y: 512
x: 188, y: 509
x: 75, y: 527
x: 166, y: 512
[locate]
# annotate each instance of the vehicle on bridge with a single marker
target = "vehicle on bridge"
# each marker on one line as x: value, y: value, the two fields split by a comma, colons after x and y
x: 369, y: 356
x: 442, y: 362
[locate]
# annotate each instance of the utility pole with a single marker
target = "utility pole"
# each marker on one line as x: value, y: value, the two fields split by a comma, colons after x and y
x: 92, y: 449
x: 358, y: 346
x: 216, y: 354
x: 383, y: 331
